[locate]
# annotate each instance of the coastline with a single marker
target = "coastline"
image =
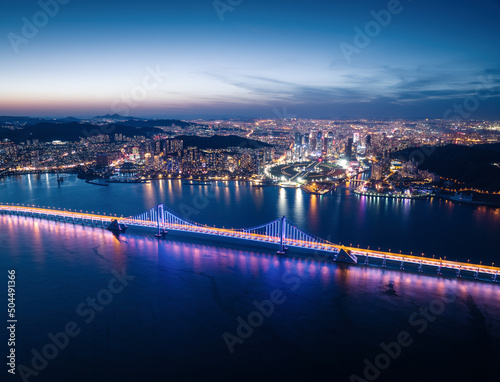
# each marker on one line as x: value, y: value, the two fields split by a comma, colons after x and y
x: 392, y: 196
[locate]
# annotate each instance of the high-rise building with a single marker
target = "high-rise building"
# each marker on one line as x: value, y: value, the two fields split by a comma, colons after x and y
x: 298, y: 139
x: 348, y: 149
x: 330, y: 143
x: 319, y: 141
x: 326, y: 141
x: 171, y: 146
x: 355, y: 137
x: 368, y: 140
x: 305, y: 143
x: 298, y: 144
x: 264, y: 156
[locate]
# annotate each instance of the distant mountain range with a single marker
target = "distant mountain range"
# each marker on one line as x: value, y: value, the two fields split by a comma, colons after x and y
x: 113, y: 116
x: 157, y: 123
x: 8, y: 120
x: 126, y: 121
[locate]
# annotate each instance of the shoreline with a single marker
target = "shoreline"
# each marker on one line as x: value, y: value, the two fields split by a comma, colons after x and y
x: 389, y: 196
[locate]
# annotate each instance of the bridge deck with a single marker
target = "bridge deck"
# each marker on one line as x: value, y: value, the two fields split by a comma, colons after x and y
x: 247, y: 235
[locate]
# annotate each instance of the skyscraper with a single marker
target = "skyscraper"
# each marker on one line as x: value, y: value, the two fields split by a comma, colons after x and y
x: 348, y: 149
x: 319, y: 141
x: 298, y: 144
x: 312, y: 142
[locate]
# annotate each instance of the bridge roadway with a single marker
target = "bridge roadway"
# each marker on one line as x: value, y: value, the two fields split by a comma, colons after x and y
x: 86, y: 218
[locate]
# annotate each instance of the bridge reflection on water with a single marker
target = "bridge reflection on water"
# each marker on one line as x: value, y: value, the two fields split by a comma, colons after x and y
x: 279, y: 232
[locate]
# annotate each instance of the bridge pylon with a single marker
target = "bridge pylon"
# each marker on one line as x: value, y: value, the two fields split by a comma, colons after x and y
x: 160, y: 217
x: 282, y: 232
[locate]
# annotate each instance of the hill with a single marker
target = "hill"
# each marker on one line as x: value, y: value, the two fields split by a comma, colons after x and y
x: 126, y: 121
x: 221, y: 142
x: 472, y: 165
x: 73, y: 131
x: 157, y: 123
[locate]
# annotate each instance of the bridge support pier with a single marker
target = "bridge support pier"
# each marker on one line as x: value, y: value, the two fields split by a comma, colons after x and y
x: 495, y: 277
x: 458, y: 273
x: 367, y: 262
x: 384, y: 265
x: 402, y: 267
x: 420, y: 267
x: 439, y: 269
x: 161, y: 233
x: 476, y: 274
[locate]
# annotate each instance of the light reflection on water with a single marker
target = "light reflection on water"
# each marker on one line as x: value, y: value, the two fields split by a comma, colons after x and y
x: 187, y: 293
x: 71, y: 237
x: 421, y: 226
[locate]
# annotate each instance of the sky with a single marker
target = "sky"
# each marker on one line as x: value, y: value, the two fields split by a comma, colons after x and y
x: 251, y: 58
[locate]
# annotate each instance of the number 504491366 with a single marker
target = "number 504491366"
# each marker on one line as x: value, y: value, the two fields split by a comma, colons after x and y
x: 11, y: 294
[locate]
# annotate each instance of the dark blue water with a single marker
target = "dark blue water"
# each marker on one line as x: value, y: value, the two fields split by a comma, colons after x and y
x: 433, y: 227
x: 168, y: 323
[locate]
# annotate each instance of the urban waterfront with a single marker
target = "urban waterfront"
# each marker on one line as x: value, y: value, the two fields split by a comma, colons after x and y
x: 168, y: 322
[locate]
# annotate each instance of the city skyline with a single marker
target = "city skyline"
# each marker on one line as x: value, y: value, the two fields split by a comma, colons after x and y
x: 252, y: 59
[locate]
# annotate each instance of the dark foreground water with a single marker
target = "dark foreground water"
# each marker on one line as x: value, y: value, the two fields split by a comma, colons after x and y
x: 178, y: 310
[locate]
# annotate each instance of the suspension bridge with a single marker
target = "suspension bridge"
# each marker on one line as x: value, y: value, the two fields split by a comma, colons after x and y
x: 280, y: 232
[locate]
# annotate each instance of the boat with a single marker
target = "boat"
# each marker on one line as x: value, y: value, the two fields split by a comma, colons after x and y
x: 89, y: 181
x: 459, y: 197
x: 387, y: 195
x: 289, y: 185
x: 197, y: 183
